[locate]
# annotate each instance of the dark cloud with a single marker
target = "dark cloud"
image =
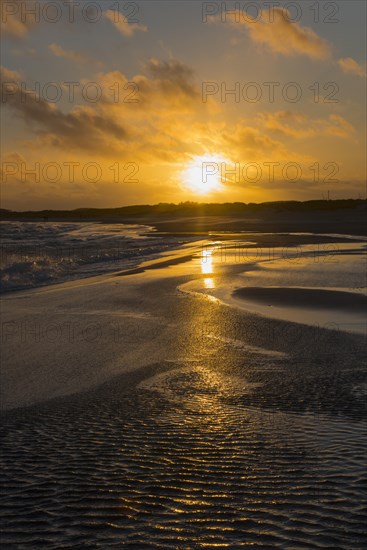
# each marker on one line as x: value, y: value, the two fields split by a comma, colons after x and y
x: 173, y: 77
x: 82, y: 128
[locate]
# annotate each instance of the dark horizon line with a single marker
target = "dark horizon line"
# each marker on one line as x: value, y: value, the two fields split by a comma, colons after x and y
x: 188, y: 204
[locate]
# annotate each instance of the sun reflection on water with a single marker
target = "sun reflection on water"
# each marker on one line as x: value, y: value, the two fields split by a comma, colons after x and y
x: 207, y: 261
x: 207, y: 267
x: 209, y: 282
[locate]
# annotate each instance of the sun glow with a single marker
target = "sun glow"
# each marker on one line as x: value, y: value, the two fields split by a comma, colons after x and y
x: 202, y: 174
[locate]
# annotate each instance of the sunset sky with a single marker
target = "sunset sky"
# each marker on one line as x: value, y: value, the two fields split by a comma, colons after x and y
x: 150, y: 109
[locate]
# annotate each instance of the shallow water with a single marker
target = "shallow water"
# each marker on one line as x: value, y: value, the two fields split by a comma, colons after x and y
x: 309, y: 284
x: 35, y: 254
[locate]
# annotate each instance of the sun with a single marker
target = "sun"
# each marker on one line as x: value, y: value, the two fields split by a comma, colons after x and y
x: 202, y: 174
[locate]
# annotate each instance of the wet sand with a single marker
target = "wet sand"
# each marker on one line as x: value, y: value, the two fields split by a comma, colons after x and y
x: 138, y: 415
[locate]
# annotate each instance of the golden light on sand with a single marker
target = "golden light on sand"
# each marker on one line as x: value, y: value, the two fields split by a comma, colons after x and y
x: 202, y: 174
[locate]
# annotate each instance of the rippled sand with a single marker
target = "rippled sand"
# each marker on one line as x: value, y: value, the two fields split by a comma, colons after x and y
x: 237, y: 430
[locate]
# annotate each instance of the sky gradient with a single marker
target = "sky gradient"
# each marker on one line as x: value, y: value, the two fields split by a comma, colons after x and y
x: 116, y: 103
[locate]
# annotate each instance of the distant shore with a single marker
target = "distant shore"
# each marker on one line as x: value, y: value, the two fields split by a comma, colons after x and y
x: 339, y: 216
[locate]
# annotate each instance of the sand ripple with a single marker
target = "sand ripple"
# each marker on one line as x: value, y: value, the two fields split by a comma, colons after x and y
x: 180, y: 462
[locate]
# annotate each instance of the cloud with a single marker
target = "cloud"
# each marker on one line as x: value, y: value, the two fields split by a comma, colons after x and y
x: 14, y: 23
x: 339, y: 127
x: 300, y: 126
x: 72, y: 55
x: 12, y: 158
x: 67, y: 54
x: 83, y: 127
x: 163, y: 87
x: 7, y: 75
x: 173, y: 79
x: 14, y: 28
x: 293, y: 124
x: 168, y: 125
x: 250, y: 140
x: 350, y: 66
x: 247, y: 144
x: 283, y: 36
x: 164, y: 98
x: 123, y: 26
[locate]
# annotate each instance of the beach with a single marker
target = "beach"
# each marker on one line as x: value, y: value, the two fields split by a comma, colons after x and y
x: 213, y: 396
x: 183, y: 290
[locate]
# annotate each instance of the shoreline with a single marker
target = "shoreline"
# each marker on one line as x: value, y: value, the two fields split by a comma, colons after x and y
x: 125, y: 399
x: 245, y: 242
x: 183, y: 227
x: 346, y: 216
x: 90, y: 319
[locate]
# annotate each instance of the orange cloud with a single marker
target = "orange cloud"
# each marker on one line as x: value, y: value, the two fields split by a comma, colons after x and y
x: 123, y: 26
x: 7, y: 75
x: 350, y: 66
x: 283, y: 36
x: 12, y: 24
x: 165, y: 127
x: 300, y: 126
x: 339, y: 127
x: 67, y: 54
x: 144, y: 113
